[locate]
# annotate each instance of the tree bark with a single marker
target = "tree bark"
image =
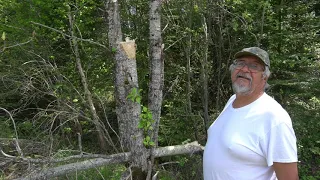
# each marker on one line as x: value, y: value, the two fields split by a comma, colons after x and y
x: 204, y: 77
x: 190, y: 148
x: 156, y: 72
x: 156, y: 65
x: 126, y: 78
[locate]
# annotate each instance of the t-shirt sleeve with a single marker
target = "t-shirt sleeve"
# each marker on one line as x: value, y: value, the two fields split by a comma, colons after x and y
x: 279, y: 145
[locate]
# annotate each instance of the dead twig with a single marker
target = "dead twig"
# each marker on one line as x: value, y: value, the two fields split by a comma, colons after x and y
x: 16, y: 133
x: 69, y: 36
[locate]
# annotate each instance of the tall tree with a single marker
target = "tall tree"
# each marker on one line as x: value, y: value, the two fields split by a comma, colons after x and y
x: 126, y: 82
x: 156, y: 72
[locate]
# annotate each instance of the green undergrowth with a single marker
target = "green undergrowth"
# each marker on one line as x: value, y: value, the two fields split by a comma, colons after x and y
x: 111, y: 172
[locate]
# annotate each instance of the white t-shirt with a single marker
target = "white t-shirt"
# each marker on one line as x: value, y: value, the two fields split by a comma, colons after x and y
x: 244, y: 142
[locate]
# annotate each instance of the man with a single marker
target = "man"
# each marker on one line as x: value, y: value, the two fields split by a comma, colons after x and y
x: 253, y: 138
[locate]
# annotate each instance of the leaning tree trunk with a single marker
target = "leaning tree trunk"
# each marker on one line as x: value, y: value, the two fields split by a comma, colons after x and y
x: 126, y: 79
x: 103, y: 135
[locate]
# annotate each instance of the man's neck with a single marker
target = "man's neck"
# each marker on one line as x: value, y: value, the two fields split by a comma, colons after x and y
x: 243, y: 100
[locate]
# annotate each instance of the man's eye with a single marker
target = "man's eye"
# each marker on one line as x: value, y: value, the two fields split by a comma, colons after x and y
x: 254, y: 66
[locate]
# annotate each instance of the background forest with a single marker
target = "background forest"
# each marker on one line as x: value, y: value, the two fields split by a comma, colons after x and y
x: 43, y: 100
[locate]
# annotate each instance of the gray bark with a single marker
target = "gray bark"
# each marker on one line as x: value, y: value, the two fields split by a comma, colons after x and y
x: 156, y: 73
x: 114, y: 23
x: 112, y: 159
x: 128, y: 112
x: 204, y: 77
x: 126, y: 78
x: 156, y: 65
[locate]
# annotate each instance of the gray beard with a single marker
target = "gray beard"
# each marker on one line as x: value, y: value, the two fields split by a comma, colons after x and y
x: 239, y: 89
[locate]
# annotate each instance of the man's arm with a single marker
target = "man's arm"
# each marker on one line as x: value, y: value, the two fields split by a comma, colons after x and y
x: 286, y: 171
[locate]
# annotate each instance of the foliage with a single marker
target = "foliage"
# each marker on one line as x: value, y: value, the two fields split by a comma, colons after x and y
x: 146, y: 119
x: 6, y: 128
x: 181, y: 167
x: 40, y: 85
x: 298, y: 92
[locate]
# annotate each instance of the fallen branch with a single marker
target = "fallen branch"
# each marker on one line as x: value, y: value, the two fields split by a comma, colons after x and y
x: 189, y: 148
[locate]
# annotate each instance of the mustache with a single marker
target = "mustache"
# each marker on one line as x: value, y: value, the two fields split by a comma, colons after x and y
x: 244, y: 75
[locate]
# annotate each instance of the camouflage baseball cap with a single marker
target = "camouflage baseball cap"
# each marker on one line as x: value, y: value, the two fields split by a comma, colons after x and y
x: 254, y: 51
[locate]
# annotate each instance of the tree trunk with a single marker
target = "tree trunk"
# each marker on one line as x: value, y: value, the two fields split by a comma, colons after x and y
x: 219, y: 56
x: 188, y: 48
x: 156, y: 72
x: 189, y: 148
x: 126, y: 79
x: 156, y: 65
x: 204, y: 76
x: 279, y: 11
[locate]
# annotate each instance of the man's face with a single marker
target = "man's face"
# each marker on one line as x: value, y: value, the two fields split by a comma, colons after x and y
x: 247, y: 76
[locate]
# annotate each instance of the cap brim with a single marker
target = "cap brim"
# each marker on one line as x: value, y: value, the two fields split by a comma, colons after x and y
x: 243, y: 53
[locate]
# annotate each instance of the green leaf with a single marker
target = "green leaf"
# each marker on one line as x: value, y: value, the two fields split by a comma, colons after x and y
x: 75, y: 100
x: 138, y: 100
x: 196, y: 8
x: 134, y: 91
x: 3, y: 37
x: 144, y: 109
x: 114, y: 49
x: 140, y: 125
x: 151, y: 143
x: 143, y: 116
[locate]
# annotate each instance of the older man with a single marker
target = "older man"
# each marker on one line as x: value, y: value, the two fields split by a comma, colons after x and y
x: 253, y: 138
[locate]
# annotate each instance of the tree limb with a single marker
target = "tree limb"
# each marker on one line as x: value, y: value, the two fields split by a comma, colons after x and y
x: 19, y: 44
x: 66, y: 35
x: 189, y: 148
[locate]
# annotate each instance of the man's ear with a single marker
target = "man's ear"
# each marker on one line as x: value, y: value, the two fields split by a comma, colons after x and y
x: 264, y: 77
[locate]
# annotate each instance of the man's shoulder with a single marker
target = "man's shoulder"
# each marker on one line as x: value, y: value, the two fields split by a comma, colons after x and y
x: 271, y: 103
x: 274, y: 111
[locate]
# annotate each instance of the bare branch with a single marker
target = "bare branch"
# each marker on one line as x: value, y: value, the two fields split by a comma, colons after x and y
x: 175, y: 82
x: 13, y: 122
x: 66, y: 35
x: 20, y: 44
x: 80, y: 144
x: 6, y: 155
x: 154, y: 177
x: 18, y: 147
x: 107, y: 121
